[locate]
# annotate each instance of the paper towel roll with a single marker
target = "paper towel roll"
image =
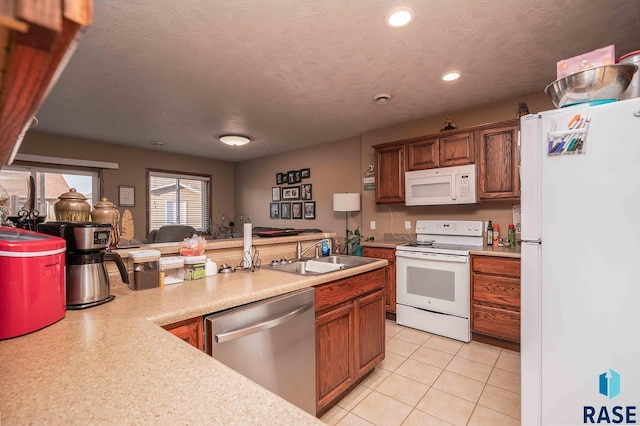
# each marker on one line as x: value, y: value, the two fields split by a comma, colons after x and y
x: 246, y: 254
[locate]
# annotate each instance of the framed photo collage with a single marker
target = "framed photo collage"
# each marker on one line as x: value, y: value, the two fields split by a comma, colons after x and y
x: 292, y: 198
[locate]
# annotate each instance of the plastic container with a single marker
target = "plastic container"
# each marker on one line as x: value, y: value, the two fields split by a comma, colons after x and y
x: 172, y: 269
x: 194, y: 267
x: 146, y: 269
x: 210, y: 268
x: 633, y: 91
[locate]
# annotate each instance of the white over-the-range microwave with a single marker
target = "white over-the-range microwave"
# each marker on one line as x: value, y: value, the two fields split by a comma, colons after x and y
x: 447, y: 185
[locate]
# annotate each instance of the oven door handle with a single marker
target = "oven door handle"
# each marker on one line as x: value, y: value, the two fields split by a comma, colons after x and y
x: 432, y: 256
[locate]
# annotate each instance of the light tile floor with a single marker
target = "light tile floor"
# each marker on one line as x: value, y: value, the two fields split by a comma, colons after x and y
x: 426, y: 379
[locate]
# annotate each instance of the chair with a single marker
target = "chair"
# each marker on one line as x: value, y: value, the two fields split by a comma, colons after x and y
x: 170, y: 233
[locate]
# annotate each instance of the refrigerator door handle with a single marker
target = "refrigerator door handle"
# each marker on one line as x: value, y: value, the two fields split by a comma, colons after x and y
x: 538, y: 241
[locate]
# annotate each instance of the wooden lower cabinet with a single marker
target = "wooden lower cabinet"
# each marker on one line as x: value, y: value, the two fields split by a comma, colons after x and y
x: 495, y: 300
x: 188, y: 330
x: 334, y: 353
x: 349, y: 334
x: 389, y: 254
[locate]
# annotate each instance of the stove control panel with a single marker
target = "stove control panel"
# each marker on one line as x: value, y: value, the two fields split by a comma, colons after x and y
x: 450, y: 227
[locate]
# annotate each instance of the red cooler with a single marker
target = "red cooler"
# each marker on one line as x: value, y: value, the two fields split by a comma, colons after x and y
x: 32, y: 281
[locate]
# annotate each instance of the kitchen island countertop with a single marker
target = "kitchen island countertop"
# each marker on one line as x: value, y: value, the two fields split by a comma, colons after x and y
x: 113, y: 364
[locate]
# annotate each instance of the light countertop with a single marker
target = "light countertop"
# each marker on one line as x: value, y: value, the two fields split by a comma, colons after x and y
x: 485, y: 250
x: 113, y: 364
x: 495, y: 250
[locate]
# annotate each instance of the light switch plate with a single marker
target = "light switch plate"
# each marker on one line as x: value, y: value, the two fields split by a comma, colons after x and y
x: 372, y: 225
x: 407, y: 225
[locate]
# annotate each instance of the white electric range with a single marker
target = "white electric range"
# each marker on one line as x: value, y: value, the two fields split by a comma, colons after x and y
x: 432, y: 277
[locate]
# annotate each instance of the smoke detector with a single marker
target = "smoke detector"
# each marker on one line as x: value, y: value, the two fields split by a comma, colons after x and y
x: 382, y: 98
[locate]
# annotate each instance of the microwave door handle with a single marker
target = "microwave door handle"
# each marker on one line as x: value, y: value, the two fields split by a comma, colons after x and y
x: 454, y: 195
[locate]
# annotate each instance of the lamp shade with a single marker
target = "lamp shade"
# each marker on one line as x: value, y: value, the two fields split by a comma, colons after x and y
x: 346, y: 202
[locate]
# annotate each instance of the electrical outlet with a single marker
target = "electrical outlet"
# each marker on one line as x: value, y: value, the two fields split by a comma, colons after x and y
x: 372, y: 225
x: 407, y: 225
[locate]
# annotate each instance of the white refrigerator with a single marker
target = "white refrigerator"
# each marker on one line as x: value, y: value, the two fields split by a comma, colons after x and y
x: 580, y: 314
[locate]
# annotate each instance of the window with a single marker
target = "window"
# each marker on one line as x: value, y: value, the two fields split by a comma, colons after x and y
x: 167, y: 191
x: 50, y: 183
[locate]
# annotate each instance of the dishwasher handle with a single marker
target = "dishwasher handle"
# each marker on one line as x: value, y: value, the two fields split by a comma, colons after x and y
x: 264, y: 325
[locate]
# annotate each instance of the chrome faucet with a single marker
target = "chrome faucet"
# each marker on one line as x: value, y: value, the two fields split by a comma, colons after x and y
x: 300, y: 252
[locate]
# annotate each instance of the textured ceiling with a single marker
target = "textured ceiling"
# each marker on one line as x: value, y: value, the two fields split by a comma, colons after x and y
x: 293, y: 73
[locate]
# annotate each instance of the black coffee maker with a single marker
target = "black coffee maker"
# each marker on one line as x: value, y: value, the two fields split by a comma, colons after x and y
x: 87, y: 278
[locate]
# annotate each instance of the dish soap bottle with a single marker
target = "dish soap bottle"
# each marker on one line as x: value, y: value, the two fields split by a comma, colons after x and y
x: 489, y: 234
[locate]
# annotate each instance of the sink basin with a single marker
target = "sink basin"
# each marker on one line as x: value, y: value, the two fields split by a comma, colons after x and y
x: 298, y: 266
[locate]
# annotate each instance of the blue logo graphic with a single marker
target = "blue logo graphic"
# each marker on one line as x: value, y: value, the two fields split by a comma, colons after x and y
x: 610, y: 386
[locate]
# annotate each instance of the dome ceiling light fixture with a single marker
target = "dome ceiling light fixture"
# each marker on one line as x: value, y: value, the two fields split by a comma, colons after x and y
x: 451, y: 75
x: 399, y: 17
x: 382, y: 98
x: 157, y: 143
x: 234, y: 140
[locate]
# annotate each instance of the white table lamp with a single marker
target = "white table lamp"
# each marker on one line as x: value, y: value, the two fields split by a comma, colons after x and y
x: 346, y: 202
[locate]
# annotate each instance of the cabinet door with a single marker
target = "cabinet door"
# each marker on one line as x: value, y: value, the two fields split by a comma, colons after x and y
x: 389, y: 172
x: 498, y: 167
x: 456, y: 150
x: 188, y: 330
x: 390, y: 274
x: 335, y: 370
x: 369, y: 338
x: 423, y: 154
x: 31, y: 62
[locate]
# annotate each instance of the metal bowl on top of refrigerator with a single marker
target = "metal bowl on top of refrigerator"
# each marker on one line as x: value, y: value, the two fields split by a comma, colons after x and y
x: 600, y: 84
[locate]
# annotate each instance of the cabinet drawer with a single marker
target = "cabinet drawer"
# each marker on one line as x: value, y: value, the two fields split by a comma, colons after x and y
x: 496, y: 322
x: 496, y: 265
x: 494, y: 290
x: 380, y: 253
x: 339, y: 291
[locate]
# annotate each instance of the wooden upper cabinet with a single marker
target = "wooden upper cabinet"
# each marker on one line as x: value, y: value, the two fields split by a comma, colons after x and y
x: 423, y: 154
x: 440, y: 151
x: 498, y: 165
x: 389, y: 172
x: 38, y: 38
x: 456, y: 150
x: 492, y: 147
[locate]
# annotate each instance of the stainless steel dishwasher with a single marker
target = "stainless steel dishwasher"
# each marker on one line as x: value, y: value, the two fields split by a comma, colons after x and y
x: 272, y: 342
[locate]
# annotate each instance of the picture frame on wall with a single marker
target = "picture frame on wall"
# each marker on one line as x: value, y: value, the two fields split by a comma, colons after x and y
x: 305, y: 173
x: 297, y: 176
x: 275, y: 193
x: 291, y: 176
x: 305, y: 191
x: 126, y: 195
x: 296, y: 210
x: 274, y: 211
x: 310, y: 210
x: 278, y: 178
x: 290, y: 193
x: 285, y: 178
x: 285, y: 210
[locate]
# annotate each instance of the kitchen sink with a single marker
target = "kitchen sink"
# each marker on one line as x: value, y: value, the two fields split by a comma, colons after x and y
x: 299, y: 266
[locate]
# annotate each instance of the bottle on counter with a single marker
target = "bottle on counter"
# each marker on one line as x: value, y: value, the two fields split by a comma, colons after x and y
x: 496, y: 234
x: 489, y: 234
x: 511, y: 234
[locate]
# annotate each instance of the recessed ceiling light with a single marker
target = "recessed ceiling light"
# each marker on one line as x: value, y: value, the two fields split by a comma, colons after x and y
x: 399, y: 17
x: 382, y: 98
x: 157, y: 143
x: 450, y: 76
x: 235, y: 140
